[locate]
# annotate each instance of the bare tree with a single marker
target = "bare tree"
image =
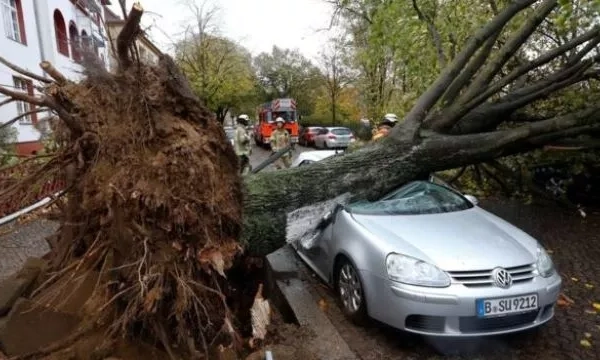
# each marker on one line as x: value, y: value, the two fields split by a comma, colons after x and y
x: 337, y: 75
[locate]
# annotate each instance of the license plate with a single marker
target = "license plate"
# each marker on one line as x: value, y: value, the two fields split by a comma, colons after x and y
x: 507, y: 305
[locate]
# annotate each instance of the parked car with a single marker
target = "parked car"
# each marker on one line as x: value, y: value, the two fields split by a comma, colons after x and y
x: 307, y: 135
x: 333, y: 137
x: 426, y: 259
x: 309, y: 157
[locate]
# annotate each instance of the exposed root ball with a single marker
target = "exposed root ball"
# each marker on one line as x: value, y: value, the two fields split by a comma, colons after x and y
x: 154, y: 205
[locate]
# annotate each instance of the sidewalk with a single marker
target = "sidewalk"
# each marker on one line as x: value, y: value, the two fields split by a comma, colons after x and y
x: 20, y: 241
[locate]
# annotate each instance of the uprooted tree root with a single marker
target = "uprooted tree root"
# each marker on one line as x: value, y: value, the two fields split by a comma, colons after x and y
x: 153, y: 204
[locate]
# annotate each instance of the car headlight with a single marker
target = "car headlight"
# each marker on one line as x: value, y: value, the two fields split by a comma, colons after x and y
x: 408, y: 270
x: 545, y: 265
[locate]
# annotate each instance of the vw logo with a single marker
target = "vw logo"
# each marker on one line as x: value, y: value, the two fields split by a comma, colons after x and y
x: 502, y: 278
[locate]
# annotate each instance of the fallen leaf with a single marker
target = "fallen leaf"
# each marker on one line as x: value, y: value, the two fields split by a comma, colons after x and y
x: 596, y: 306
x: 549, y: 251
x: 575, y: 279
x: 591, y: 312
x: 323, y: 304
x: 589, y: 286
x: 585, y: 343
x: 564, y: 298
x: 587, y: 335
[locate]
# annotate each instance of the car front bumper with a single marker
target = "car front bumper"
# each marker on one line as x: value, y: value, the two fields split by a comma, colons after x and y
x: 451, y: 311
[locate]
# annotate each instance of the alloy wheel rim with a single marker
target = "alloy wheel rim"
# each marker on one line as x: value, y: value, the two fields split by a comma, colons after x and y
x: 350, y: 289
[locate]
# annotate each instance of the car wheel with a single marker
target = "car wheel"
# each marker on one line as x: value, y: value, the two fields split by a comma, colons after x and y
x: 350, y: 293
x: 325, y: 145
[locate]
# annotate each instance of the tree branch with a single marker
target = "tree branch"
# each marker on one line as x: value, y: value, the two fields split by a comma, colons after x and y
x: 53, y: 72
x: 539, y: 61
x: 467, y: 117
x: 435, y: 35
x: 413, y: 119
x: 20, y: 116
x: 22, y: 71
x: 21, y: 96
x: 508, y: 50
x: 474, y: 65
x: 6, y: 101
x: 128, y: 34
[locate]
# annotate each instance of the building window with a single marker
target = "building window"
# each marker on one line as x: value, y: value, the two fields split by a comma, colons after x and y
x: 14, y: 24
x: 25, y: 86
x: 74, y: 37
x: 86, y: 43
x: 60, y: 32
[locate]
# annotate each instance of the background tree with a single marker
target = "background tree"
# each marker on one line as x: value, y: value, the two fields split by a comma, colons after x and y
x: 287, y: 73
x: 8, y: 137
x: 336, y: 74
x: 220, y: 71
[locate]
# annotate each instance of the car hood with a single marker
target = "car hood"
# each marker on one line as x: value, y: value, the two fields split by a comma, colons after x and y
x: 463, y: 240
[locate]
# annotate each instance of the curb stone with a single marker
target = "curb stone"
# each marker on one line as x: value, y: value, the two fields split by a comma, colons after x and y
x: 290, y: 293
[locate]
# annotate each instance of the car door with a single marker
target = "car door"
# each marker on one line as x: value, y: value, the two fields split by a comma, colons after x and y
x: 318, y: 138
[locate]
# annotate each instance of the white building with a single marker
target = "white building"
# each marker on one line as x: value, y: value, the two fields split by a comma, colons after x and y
x: 58, y: 31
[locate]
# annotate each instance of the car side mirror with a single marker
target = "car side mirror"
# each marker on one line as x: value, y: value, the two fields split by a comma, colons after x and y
x: 472, y: 199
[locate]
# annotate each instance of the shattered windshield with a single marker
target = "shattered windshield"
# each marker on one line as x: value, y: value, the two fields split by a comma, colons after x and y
x: 418, y: 197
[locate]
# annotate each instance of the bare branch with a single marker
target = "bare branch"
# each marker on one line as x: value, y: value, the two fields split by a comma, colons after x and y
x: 20, y: 116
x: 474, y: 65
x: 506, y: 142
x: 128, y: 34
x: 6, y: 101
x: 416, y: 115
x: 435, y: 35
x: 21, y: 96
x: 53, y: 72
x: 508, y: 50
x: 468, y: 118
x: 539, y: 61
x: 22, y: 71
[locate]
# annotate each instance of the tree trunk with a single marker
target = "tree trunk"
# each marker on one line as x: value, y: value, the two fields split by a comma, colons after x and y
x: 377, y: 169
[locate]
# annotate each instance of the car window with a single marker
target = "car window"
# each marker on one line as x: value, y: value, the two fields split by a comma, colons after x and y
x: 417, y: 197
x: 341, y: 131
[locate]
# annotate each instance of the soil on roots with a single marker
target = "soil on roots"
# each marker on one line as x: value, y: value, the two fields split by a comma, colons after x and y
x: 154, y: 205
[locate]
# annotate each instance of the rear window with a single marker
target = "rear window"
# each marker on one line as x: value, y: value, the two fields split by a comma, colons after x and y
x: 341, y: 132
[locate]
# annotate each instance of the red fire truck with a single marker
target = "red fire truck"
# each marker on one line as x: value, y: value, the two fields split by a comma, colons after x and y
x: 268, y: 112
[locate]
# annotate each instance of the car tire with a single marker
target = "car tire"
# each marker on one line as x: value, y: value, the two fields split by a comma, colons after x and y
x: 325, y: 145
x: 350, y: 293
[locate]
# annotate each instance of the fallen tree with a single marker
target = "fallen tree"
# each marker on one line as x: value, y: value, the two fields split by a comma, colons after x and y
x: 155, y: 201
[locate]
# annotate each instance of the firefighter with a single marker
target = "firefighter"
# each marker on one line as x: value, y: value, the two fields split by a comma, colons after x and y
x: 280, y: 138
x: 385, y: 126
x: 242, y: 145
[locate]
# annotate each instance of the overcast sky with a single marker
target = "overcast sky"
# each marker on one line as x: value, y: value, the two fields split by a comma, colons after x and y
x: 256, y: 24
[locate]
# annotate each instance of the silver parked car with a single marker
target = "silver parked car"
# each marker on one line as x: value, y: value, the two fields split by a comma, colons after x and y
x: 333, y: 137
x: 428, y: 260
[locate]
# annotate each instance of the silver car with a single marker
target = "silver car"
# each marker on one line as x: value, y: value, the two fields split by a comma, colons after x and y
x: 334, y: 137
x: 428, y: 260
